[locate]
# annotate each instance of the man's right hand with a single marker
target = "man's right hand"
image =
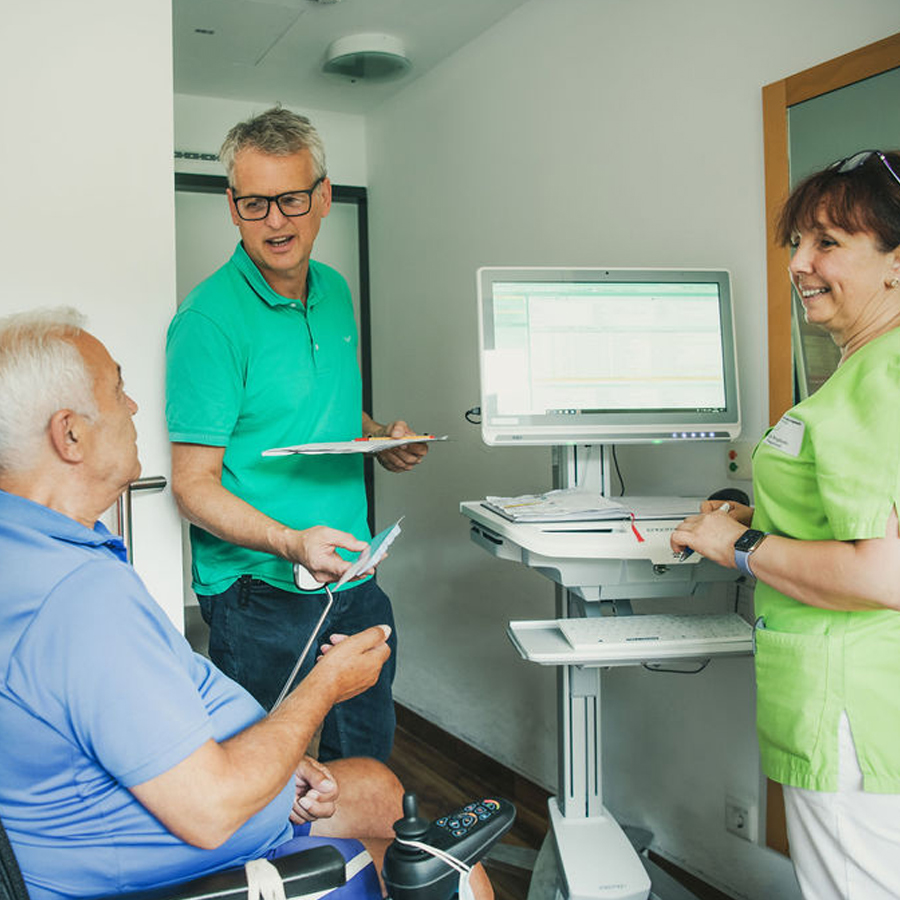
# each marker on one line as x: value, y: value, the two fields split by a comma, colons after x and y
x: 316, y: 549
x: 353, y: 663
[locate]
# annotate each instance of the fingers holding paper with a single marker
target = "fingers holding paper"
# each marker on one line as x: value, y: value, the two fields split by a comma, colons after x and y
x: 400, y: 459
x: 316, y: 549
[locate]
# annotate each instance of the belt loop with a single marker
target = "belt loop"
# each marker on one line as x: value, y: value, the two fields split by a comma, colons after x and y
x: 245, y: 582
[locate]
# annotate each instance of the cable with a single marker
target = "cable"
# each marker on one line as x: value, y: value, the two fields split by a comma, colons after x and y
x: 305, y: 651
x: 473, y: 415
x: 615, y: 459
x: 656, y: 667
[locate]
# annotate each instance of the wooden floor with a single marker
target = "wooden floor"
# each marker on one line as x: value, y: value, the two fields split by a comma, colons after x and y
x: 445, y: 781
x: 446, y: 773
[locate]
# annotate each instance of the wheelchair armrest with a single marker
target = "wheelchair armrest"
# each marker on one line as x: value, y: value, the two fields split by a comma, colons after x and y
x: 306, y: 872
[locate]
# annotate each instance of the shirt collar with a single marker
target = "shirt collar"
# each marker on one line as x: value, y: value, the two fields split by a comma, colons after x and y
x: 260, y: 286
x: 56, y: 525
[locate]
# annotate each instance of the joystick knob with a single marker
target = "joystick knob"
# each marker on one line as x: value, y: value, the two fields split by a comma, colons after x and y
x: 411, y: 827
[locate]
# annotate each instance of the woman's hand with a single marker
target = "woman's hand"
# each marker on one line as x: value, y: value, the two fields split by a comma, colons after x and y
x: 737, y: 511
x: 713, y: 532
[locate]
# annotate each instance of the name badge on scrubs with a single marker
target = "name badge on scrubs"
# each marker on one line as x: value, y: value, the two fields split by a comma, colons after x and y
x: 787, y: 436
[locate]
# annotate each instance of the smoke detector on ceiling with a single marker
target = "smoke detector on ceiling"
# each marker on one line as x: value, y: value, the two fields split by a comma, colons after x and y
x: 366, y: 57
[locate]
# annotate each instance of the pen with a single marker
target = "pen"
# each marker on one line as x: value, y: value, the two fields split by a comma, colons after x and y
x: 688, y: 551
x: 404, y: 437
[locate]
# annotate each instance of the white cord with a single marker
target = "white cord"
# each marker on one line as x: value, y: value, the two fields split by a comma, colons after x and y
x: 442, y: 855
x: 305, y: 651
x: 465, y: 871
x: 263, y: 881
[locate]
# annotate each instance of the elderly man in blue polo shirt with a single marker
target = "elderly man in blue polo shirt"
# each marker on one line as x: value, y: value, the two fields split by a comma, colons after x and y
x: 263, y: 354
x: 126, y: 760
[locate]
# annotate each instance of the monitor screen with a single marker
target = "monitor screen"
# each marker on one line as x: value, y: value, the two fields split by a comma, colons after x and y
x: 606, y: 356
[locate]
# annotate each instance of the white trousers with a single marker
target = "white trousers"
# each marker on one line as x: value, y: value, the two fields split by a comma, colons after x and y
x: 845, y: 845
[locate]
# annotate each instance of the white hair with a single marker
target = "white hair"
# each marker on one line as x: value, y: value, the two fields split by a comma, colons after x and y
x: 41, y: 372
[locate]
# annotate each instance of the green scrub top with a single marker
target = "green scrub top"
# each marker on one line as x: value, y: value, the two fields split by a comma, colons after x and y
x: 829, y: 470
x: 248, y: 370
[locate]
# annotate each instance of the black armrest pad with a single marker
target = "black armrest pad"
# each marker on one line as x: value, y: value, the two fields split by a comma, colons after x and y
x: 316, y: 869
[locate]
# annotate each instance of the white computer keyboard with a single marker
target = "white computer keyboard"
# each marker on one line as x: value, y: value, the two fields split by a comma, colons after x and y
x: 659, y: 636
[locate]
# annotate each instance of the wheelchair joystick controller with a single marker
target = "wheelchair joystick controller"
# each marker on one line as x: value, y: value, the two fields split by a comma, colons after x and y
x: 466, y: 834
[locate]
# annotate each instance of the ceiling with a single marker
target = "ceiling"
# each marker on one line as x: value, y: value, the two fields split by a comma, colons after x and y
x: 273, y: 50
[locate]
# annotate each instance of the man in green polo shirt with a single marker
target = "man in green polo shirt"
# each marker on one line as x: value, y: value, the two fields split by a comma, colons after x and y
x: 261, y: 354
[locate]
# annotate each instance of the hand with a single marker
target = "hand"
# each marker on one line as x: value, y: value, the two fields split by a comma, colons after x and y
x: 351, y: 664
x: 316, y: 792
x: 738, y: 511
x: 316, y: 549
x: 712, y: 533
x: 400, y: 459
x: 333, y: 641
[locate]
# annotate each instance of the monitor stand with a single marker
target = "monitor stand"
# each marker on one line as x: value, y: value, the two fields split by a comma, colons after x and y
x: 596, y: 860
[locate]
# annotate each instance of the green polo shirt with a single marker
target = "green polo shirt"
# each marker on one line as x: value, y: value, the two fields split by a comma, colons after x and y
x: 830, y: 470
x: 247, y: 370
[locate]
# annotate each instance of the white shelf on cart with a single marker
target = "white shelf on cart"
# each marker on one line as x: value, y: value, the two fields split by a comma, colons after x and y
x: 541, y: 641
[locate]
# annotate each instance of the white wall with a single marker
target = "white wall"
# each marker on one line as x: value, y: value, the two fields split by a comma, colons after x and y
x: 88, y: 212
x: 201, y: 124
x: 592, y: 132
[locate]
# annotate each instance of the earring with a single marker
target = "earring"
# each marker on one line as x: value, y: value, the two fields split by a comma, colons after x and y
x: 895, y: 282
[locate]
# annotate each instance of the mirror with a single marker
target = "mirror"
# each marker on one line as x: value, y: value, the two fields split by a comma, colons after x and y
x: 846, y: 90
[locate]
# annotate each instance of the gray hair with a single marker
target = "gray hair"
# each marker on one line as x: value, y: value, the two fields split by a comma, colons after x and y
x: 41, y: 372
x: 278, y: 132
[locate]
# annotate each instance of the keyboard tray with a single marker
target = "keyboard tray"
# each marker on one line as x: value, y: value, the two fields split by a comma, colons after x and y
x: 540, y: 641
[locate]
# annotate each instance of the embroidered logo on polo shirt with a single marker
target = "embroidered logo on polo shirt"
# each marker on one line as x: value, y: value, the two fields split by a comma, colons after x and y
x: 787, y: 436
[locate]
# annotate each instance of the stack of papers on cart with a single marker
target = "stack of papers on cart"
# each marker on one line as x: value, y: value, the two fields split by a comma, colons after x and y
x: 565, y: 505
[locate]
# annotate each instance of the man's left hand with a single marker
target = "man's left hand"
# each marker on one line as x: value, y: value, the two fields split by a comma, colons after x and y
x: 316, y: 792
x: 400, y: 459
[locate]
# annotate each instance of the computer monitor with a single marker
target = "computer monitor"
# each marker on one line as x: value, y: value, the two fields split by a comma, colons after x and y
x: 606, y: 356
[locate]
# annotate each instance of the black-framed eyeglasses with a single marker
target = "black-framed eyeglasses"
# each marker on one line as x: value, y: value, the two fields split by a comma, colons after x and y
x: 851, y: 163
x: 291, y: 203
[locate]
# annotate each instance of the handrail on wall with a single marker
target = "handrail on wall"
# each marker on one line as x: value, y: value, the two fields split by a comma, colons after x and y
x: 123, y: 507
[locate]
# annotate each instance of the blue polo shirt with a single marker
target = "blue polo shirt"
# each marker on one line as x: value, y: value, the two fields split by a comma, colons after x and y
x: 99, y: 693
x: 248, y: 370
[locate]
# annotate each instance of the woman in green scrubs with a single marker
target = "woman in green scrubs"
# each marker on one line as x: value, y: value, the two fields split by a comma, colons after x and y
x: 822, y: 542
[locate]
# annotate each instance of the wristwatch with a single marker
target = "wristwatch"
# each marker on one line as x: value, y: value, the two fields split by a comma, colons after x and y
x: 744, y: 546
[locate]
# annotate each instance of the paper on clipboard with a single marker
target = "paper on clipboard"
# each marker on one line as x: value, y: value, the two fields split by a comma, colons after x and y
x: 373, y: 554
x: 360, y: 445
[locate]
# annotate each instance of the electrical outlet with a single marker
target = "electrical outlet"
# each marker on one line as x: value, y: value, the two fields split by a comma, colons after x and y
x: 740, y: 818
x: 738, y: 464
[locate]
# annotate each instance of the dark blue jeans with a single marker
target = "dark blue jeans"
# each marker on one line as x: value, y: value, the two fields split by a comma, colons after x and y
x: 257, y: 632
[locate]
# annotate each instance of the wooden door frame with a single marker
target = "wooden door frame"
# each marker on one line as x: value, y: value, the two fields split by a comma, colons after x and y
x: 777, y: 99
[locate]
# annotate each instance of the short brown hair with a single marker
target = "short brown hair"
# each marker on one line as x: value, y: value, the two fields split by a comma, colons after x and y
x: 864, y: 198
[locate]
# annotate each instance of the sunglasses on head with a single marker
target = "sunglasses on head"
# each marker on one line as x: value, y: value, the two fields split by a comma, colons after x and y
x: 851, y: 163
